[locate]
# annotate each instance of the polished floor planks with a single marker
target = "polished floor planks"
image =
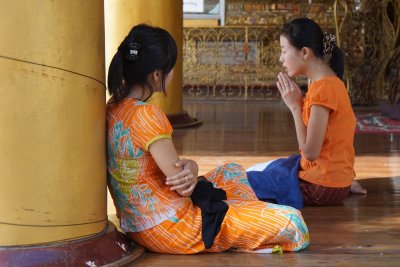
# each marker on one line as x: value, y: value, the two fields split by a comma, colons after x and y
x: 365, y: 231
x: 258, y: 128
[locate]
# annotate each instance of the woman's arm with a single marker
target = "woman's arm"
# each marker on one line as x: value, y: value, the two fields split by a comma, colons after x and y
x: 164, y: 153
x: 310, y: 139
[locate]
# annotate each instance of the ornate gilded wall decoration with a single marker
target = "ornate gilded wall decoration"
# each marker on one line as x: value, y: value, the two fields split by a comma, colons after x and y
x: 241, y: 60
x: 231, y: 62
x: 392, y: 73
x: 368, y: 38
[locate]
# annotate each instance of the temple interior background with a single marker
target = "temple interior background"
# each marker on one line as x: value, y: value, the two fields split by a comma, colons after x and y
x: 234, y: 54
x: 223, y: 104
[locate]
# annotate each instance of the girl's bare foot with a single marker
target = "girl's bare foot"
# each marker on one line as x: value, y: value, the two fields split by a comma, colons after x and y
x: 356, y: 188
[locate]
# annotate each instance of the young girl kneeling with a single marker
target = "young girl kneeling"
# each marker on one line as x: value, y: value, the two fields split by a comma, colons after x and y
x: 324, y: 119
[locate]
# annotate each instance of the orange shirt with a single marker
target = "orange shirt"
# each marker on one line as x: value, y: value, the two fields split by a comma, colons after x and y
x: 136, y: 183
x: 334, y: 166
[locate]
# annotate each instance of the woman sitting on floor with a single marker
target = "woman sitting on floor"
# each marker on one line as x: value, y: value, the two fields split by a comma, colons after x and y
x: 323, y: 174
x: 178, y: 215
x: 324, y: 119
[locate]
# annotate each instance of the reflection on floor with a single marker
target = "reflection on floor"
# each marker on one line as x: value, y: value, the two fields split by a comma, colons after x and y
x: 257, y: 128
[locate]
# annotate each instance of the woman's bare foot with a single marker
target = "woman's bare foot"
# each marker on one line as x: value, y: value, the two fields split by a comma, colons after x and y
x: 356, y: 188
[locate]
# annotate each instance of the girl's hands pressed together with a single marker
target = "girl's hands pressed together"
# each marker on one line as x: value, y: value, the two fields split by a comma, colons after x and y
x: 289, y: 91
x: 186, y: 179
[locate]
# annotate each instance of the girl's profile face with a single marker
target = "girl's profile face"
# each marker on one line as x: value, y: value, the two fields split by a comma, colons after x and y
x: 290, y: 57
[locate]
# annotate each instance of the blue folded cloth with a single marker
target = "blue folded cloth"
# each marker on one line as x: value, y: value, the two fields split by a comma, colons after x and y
x: 278, y: 182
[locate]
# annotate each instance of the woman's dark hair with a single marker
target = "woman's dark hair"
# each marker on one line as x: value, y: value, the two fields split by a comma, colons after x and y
x: 304, y: 32
x: 145, y: 50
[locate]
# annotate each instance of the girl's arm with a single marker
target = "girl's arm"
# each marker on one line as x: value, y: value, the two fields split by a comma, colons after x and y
x: 310, y: 139
x: 164, y: 153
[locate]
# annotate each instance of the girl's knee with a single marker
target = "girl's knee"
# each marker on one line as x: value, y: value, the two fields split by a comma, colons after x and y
x: 235, y: 172
x: 285, y: 209
x: 300, y: 234
x: 234, y: 167
x: 295, y: 219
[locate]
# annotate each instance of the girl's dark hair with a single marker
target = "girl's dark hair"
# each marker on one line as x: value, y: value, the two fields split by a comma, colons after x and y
x: 144, y: 50
x: 304, y: 32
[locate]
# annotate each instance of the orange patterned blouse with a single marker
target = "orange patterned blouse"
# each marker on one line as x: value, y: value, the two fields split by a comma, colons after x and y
x: 136, y: 183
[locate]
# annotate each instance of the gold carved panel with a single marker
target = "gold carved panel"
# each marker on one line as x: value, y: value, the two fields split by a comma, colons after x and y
x: 241, y: 60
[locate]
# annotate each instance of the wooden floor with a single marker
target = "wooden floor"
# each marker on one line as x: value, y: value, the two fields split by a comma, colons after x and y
x: 365, y: 231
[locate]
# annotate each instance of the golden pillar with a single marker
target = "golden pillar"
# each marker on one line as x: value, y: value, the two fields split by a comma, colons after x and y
x: 52, y: 120
x: 122, y: 15
x: 52, y: 137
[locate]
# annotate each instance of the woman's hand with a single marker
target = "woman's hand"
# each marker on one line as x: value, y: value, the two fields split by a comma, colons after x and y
x: 185, y: 181
x: 290, y: 91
